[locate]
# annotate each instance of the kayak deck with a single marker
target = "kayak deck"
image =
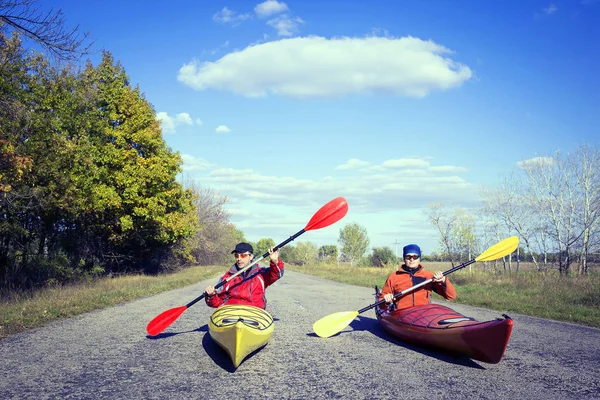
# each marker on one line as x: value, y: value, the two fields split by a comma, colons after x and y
x: 443, y: 328
x: 240, y: 330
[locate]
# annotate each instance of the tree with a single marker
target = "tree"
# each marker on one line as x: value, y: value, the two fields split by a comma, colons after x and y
x: 46, y: 195
x: 586, y: 162
x: 464, y: 234
x: 511, y: 204
x: 554, y: 186
x: 328, y: 253
x: 439, y: 217
x: 288, y: 254
x: 383, y: 256
x: 354, y: 242
x: 216, y: 236
x: 306, y: 253
x: 14, y: 68
x: 263, y: 245
x: 139, y: 208
x: 88, y: 183
x: 45, y: 28
x: 456, y: 229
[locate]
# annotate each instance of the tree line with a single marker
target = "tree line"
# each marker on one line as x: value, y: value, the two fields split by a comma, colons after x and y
x: 551, y: 203
x: 88, y: 185
x: 353, y: 250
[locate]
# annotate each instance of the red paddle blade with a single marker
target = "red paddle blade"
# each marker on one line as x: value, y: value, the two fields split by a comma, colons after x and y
x: 163, y: 320
x: 330, y: 213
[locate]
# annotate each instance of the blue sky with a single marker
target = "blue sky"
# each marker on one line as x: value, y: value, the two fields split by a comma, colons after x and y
x: 283, y: 106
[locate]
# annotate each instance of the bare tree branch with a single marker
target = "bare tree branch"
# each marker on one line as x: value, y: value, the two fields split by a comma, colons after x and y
x: 45, y: 28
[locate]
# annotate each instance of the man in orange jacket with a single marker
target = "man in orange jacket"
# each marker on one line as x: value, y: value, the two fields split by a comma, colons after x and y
x: 412, y: 273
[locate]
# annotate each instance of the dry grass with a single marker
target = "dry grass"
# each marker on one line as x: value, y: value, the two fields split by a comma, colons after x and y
x: 546, y: 295
x: 22, y: 311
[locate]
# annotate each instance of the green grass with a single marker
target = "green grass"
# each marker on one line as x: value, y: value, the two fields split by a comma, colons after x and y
x: 574, y: 299
x: 22, y: 311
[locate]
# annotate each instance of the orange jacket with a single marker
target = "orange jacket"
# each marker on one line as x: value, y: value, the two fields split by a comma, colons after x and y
x: 405, y: 278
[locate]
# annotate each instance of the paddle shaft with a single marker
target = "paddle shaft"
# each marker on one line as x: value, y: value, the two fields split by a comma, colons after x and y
x: 280, y: 245
x: 410, y: 289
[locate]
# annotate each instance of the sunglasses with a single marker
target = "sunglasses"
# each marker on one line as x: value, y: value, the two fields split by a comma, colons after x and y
x: 241, y: 255
x: 409, y: 257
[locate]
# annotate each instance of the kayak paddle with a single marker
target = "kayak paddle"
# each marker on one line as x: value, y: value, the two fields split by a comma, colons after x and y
x: 334, y: 323
x: 330, y: 213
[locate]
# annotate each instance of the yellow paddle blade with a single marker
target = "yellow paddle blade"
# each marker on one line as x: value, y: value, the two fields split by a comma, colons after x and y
x: 333, y: 323
x: 500, y: 249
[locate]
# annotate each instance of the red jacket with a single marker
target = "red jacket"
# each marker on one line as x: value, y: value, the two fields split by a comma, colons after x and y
x: 405, y: 278
x: 248, y: 288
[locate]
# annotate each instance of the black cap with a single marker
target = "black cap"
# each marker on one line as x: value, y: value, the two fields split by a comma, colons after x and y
x: 243, y: 248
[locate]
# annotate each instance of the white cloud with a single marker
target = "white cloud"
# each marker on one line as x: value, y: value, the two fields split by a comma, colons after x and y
x: 387, y: 202
x: 184, y: 118
x: 222, y: 129
x: 353, y: 163
x: 551, y: 9
x: 375, y: 192
x: 536, y: 162
x: 227, y: 16
x: 191, y: 163
x: 169, y: 124
x: 270, y: 7
x: 448, y: 169
x: 238, y: 211
x: 317, y: 67
x: 404, y: 163
x: 285, y: 25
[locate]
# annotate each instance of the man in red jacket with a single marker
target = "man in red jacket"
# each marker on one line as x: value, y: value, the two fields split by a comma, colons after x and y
x: 411, y: 273
x: 248, y: 288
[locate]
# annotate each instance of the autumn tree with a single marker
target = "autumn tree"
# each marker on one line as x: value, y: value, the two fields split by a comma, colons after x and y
x: 89, y: 185
x: 144, y: 208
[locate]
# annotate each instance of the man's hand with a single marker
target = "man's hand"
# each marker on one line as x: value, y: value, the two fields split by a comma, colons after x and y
x: 274, y: 255
x: 438, y: 276
x: 210, y: 290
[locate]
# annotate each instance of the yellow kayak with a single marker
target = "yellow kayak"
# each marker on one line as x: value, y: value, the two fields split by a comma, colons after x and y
x: 240, y: 330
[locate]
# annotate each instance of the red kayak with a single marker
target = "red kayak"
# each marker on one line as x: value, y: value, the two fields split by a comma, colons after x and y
x: 443, y: 328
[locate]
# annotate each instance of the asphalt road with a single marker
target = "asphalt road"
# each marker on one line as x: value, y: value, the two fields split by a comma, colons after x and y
x: 107, y: 355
